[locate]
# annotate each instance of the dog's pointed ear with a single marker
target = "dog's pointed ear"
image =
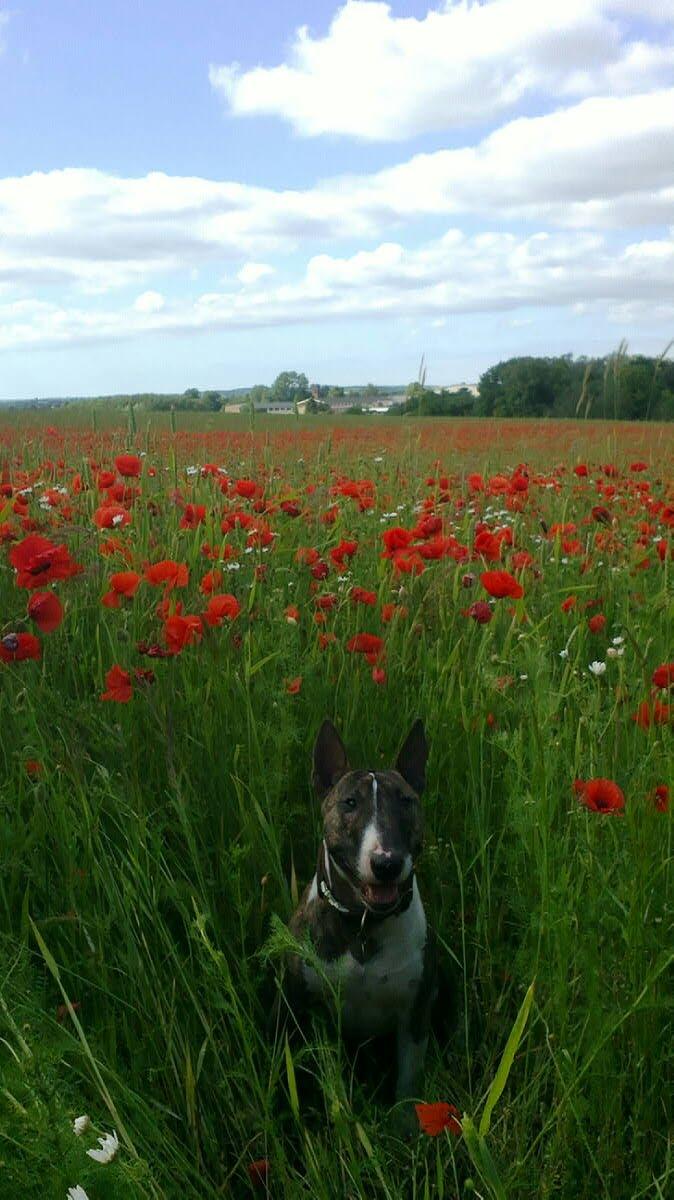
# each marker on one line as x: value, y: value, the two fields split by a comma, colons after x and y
x: 330, y: 759
x: 411, y: 762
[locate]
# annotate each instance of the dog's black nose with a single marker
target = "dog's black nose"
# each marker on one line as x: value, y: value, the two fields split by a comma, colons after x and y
x: 386, y: 867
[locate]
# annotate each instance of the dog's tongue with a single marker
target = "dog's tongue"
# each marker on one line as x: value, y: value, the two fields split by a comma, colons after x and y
x: 380, y: 893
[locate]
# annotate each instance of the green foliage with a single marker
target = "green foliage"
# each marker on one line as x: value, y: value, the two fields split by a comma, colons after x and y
x: 624, y: 387
x: 425, y: 402
x: 290, y: 386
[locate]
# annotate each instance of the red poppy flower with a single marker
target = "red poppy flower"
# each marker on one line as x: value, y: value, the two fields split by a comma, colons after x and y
x: 597, y: 623
x: 601, y: 514
x: 500, y: 584
x: 46, y: 610
x: 113, y: 546
x: 487, y: 545
x: 359, y: 595
x: 521, y: 559
x: 638, y: 466
x: 407, y: 562
x: 220, y: 608
x: 292, y: 614
x: 293, y: 685
x: 152, y: 650
x: 652, y: 714
x: 365, y: 643
x: 182, y: 631
x: 581, y: 471
x: 479, y: 611
x: 600, y: 795
x: 246, y: 488
x: 344, y: 550
x: 39, y: 561
x: 396, y: 538
x: 143, y: 675
x: 34, y: 768
x: 258, y: 1172
x: 390, y: 610
x: 379, y: 675
x: 326, y: 639
x: 193, y: 516
x: 434, y: 1118
x: 326, y: 602
x: 129, y: 465
x: 17, y: 647
x: 211, y: 581
x: 119, y: 686
x: 661, y: 798
x: 111, y: 516
x: 125, y: 583
x: 663, y: 677
x: 167, y: 572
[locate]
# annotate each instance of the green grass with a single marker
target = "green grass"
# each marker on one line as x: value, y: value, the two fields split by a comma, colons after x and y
x: 141, y: 870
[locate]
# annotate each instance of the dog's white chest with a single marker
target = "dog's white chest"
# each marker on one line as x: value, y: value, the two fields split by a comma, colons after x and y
x: 378, y: 994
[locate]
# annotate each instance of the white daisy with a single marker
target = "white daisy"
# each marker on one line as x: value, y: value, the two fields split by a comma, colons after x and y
x: 597, y: 668
x: 109, y: 1144
x: 77, y: 1193
x: 80, y: 1125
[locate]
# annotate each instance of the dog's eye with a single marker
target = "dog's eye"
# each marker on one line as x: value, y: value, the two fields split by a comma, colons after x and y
x: 350, y: 802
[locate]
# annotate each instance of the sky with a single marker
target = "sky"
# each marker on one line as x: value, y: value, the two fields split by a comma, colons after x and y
x: 206, y: 194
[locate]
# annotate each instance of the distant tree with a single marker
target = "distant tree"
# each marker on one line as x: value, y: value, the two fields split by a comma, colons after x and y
x: 191, y: 393
x: 212, y: 401
x: 258, y: 396
x: 289, y: 387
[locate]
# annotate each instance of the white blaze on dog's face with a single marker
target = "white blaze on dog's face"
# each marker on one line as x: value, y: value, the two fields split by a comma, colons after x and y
x: 373, y: 821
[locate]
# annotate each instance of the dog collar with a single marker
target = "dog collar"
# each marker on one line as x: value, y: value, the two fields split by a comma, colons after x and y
x: 361, y: 909
x: 327, y: 895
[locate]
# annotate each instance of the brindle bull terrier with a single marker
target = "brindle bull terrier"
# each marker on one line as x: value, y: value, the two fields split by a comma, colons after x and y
x: 363, y: 911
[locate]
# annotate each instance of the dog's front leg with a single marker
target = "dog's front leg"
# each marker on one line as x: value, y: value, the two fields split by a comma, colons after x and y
x: 411, y: 1055
x: 411, y: 1047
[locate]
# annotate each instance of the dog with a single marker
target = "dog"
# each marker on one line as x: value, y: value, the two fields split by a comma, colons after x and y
x: 362, y: 910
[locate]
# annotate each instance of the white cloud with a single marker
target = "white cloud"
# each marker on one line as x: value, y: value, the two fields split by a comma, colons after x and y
x: 378, y: 76
x: 569, y: 169
x: 487, y: 272
x: 252, y: 272
x: 149, y: 302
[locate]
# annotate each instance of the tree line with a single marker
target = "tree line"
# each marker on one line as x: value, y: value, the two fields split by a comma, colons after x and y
x: 618, y: 386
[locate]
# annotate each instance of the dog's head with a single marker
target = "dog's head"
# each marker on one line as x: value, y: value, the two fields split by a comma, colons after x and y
x: 373, y: 820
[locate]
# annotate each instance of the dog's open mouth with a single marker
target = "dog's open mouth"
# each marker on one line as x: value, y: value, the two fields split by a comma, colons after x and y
x: 380, y: 895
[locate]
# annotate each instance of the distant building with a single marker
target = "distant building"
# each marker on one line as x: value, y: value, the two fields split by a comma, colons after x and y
x: 337, y: 404
x: 457, y: 387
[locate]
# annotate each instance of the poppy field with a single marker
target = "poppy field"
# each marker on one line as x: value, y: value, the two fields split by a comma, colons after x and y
x: 179, y: 610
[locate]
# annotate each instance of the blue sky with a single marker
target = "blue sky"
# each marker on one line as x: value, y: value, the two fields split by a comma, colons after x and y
x: 204, y: 195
